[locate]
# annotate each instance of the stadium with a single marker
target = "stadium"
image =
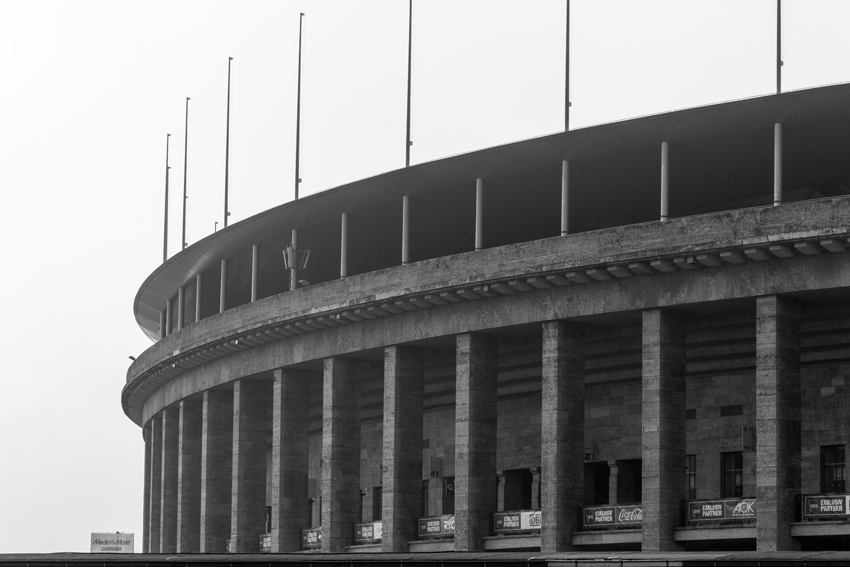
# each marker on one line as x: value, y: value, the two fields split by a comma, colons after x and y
x: 632, y: 336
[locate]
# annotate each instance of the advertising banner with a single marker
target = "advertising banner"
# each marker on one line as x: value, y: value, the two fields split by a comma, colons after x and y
x: 823, y: 506
x: 368, y: 533
x: 717, y: 510
x: 112, y: 543
x: 311, y: 539
x: 437, y: 526
x: 613, y: 515
x: 265, y: 543
x: 517, y: 521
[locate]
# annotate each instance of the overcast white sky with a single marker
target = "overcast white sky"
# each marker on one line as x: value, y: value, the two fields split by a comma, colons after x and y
x: 90, y: 89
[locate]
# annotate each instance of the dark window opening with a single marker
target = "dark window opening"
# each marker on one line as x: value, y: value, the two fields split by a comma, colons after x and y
x: 424, y: 499
x: 732, y: 474
x: 448, y: 495
x: 691, y: 476
x: 596, y: 483
x: 377, y: 510
x: 832, y: 468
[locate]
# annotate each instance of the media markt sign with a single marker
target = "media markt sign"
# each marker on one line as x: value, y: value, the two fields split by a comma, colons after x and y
x: 112, y: 543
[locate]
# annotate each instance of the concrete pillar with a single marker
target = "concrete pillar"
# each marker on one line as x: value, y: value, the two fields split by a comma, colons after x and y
x: 565, y: 198
x: 479, y: 214
x: 663, y: 421
x: 343, y: 247
x: 181, y: 306
x: 146, y: 501
x: 562, y: 433
x: 290, y: 434
x: 216, y: 467
x: 777, y: 165
x: 198, y: 290
x: 340, y: 453
x: 222, y: 294
x: 189, y: 477
x: 402, y: 447
x: 255, y: 267
x: 405, y: 229
x: 156, y: 483
x: 613, y: 480
x: 665, y: 181
x: 161, y: 325
x: 475, y: 440
x: 250, y: 437
x: 500, y: 491
x: 777, y: 420
x: 168, y: 506
x: 167, y: 317
x: 535, y: 487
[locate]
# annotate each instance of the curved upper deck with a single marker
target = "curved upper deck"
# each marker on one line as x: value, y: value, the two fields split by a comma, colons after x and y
x: 721, y: 158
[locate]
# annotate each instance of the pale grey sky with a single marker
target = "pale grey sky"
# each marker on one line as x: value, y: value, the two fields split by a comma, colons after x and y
x: 90, y: 89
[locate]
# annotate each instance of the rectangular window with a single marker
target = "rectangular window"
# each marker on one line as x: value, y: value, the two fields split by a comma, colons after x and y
x: 448, y: 495
x: 424, y: 499
x: 732, y: 474
x: 377, y: 509
x: 691, y: 476
x: 832, y: 468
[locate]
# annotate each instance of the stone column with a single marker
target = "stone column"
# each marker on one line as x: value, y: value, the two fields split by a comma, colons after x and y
x: 189, y: 477
x: 535, y: 488
x: 146, y: 506
x: 777, y: 420
x: 250, y: 437
x: 613, y: 481
x: 500, y: 491
x: 475, y: 440
x: 562, y: 433
x: 168, y: 508
x: 290, y: 434
x: 340, y: 453
x: 402, y: 450
x: 155, y: 502
x: 663, y: 420
x: 216, y: 462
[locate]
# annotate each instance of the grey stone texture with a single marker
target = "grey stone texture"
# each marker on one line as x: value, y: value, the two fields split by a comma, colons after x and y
x: 663, y: 431
x: 146, y: 499
x: 402, y: 446
x: 340, y: 453
x: 170, y: 456
x: 251, y: 405
x: 561, y: 433
x: 777, y: 419
x: 155, y: 515
x: 189, y: 477
x: 216, y: 467
x: 475, y: 439
x: 290, y: 456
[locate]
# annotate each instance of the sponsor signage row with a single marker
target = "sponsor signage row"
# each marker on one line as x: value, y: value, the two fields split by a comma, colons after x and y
x: 437, y: 526
x: 719, y: 510
x: 112, y: 543
x: 311, y: 539
x: 613, y: 515
x: 828, y: 505
x: 517, y: 521
x: 369, y: 532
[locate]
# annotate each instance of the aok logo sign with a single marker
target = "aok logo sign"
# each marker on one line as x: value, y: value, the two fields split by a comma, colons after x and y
x: 744, y: 508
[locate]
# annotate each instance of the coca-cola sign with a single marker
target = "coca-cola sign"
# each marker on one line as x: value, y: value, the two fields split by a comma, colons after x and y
x: 613, y: 515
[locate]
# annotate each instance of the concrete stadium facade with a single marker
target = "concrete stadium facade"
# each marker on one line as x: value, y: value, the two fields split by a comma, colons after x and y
x: 627, y: 336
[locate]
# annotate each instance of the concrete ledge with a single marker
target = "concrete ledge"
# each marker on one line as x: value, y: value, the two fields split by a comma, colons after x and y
x: 607, y: 537
x: 364, y: 548
x: 820, y: 529
x: 517, y: 541
x: 430, y: 545
x: 715, y: 533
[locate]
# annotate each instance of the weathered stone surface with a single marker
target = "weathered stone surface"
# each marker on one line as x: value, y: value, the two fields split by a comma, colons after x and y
x: 562, y: 433
x: 340, y: 453
x: 290, y: 451
x: 663, y: 438
x: 155, y: 504
x: 146, y: 499
x: 170, y: 456
x: 475, y: 440
x: 777, y: 419
x: 402, y: 446
x: 251, y: 401
x: 189, y: 477
x: 216, y: 467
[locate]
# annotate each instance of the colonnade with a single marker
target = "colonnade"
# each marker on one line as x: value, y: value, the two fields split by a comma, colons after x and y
x: 205, y: 458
